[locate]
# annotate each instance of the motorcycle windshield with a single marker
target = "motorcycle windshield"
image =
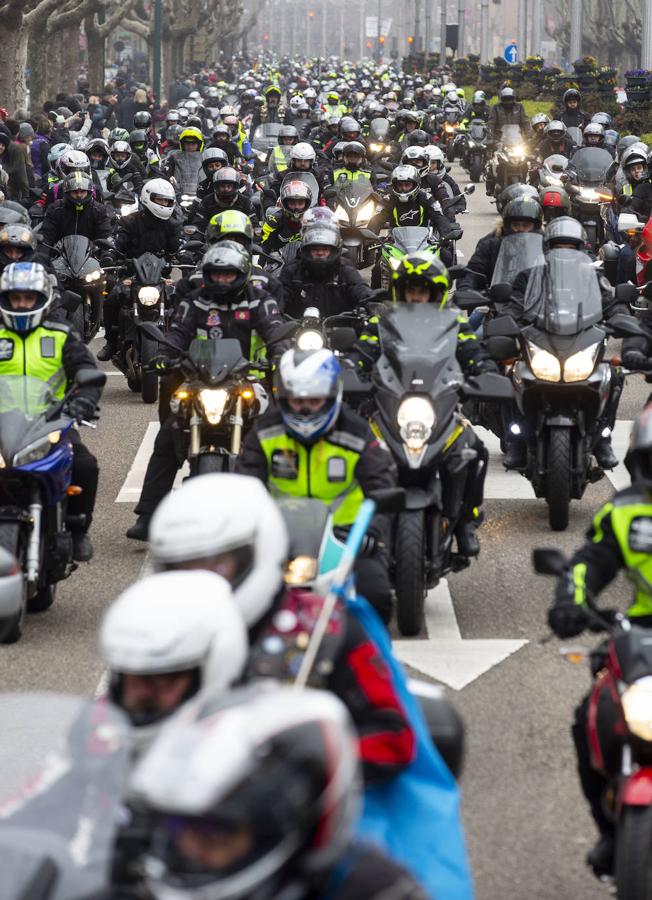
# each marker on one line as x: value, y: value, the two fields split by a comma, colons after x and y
x: 410, y: 239
x: 420, y: 341
x: 63, y: 773
x: 306, y: 522
x: 74, y: 250
x: 149, y: 268
x: 575, y: 134
x: 23, y: 400
x: 517, y: 253
x: 353, y: 194
x: 266, y: 136
x: 477, y: 131
x: 591, y: 164
x: 215, y: 359
x: 511, y: 136
x: 187, y: 171
x: 452, y: 117
x: 563, y: 295
x: 308, y: 179
x: 379, y: 130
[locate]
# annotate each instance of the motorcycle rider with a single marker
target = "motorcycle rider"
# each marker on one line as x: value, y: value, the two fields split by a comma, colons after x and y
x: 212, y: 159
x: 228, y: 304
x: 477, y: 109
x: 634, y: 166
x: 283, y: 224
x: 506, y: 112
x: 314, y: 446
x: 353, y: 158
x: 229, y: 524
x: 76, y: 213
x: 152, y: 229
x: 17, y: 244
x: 226, y: 195
x: 148, y: 158
x: 566, y: 233
x: 572, y: 115
x: 642, y: 197
x: 283, y: 825
x: 222, y: 141
x: 556, y: 141
x: 124, y: 166
x: 35, y: 345
x: 441, y: 184
x: 618, y: 539
x: 409, y: 205
x: 319, y: 277
x: 302, y: 158
x: 538, y: 124
x: 593, y: 135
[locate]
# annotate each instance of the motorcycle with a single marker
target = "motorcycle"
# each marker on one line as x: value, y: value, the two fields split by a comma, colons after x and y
x: 54, y: 790
x: 590, y: 195
x: 35, y: 471
x: 355, y: 206
x: 448, y: 131
x: 186, y: 173
x: 561, y: 378
x: 418, y: 385
x: 510, y: 161
x: 473, y: 149
x: 401, y: 242
x: 80, y: 272
x: 215, y: 402
x: 123, y: 202
x: 552, y: 172
x: 264, y: 138
x: 150, y: 301
x: 379, y: 145
x: 620, y: 737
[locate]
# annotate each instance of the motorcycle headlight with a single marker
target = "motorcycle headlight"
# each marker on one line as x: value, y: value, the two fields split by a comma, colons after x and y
x: 148, y: 296
x: 543, y: 364
x: 93, y: 276
x: 448, y: 127
x: 579, y: 366
x: 394, y: 262
x: 376, y: 148
x: 637, y: 708
x: 517, y: 152
x: 416, y: 418
x: 588, y: 195
x: 300, y: 570
x: 310, y: 340
x: 36, y: 451
x: 342, y: 215
x: 367, y: 211
x: 213, y: 401
x: 471, y: 143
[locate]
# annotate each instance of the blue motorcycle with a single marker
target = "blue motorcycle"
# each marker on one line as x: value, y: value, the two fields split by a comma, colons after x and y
x: 35, y: 479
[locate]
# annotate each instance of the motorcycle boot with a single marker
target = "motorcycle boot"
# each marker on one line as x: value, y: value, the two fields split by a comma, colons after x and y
x: 140, y: 529
x: 515, y: 453
x: 82, y: 548
x: 604, y: 454
x: 467, y: 540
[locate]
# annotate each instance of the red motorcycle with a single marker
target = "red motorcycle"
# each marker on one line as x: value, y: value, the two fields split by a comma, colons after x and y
x: 619, y: 733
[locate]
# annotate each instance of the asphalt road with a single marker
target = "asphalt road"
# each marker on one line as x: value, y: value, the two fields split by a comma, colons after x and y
x: 527, y: 826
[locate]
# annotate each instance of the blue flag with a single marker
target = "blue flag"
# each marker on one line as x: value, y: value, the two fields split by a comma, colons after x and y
x: 416, y: 815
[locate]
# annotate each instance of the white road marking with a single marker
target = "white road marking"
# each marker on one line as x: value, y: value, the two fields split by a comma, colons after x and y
x: 445, y: 655
x: 133, y: 483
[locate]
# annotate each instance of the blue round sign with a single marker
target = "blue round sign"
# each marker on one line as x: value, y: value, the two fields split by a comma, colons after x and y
x: 511, y: 53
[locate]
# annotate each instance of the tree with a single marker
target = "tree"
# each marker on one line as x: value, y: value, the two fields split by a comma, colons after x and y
x: 621, y: 21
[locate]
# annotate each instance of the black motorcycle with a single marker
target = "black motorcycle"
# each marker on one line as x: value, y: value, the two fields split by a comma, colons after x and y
x: 510, y: 161
x: 355, y: 204
x: 590, y: 195
x: 560, y: 375
x: 79, y: 271
x: 473, y: 149
x: 418, y: 387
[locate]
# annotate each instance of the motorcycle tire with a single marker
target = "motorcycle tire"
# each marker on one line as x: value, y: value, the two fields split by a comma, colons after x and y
x: 450, y: 152
x: 633, y: 858
x: 209, y: 463
x: 475, y: 170
x: 76, y: 319
x: 42, y: 599
x: 91, y: 312
x: 410, y: 572
x: 559, y: 478
x: 9, y: 538
x: 133, y: 384
x: 375, y: 281
x: 149, y: 387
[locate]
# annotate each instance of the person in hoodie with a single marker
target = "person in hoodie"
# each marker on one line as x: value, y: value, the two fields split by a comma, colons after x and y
x: 40, y: 146
x: 12, y: 160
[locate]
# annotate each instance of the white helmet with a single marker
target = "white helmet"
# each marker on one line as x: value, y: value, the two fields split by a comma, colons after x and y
x: 158, y: 197
x: 172, y: 622
x: 435, y: 155
x: 452, y: 97
x: 215, y: 514
x: 303, y: 150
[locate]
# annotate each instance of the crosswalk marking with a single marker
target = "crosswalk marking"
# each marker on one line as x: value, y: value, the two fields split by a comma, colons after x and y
x: 133, y: 483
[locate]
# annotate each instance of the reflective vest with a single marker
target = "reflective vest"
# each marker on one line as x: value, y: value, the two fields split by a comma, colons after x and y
x: 280, y: 161
x: 324, y: 470
x: 38, y: 354
x: 347, y: 174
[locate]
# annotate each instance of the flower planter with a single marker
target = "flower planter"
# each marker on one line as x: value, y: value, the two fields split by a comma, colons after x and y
x: 636, y: 81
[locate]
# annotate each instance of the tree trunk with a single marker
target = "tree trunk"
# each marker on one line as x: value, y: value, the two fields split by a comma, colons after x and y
x: 18, y: 80
x: 70, y: 58
x: 38, y: 65
x: 95, y: 48
x: 10, y: 65
x: 54, y: 62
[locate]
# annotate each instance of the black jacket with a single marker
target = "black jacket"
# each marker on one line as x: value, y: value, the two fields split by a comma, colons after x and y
x: 199, y: 316
x: 61, y: 219
x: 642, y: 200
x: 574, y: 118
x: 421, y: 210
x: 133, y: 171
x: 480, y: 267
x: 546, y: 148
x: 501, y: 114
x: 205, y: 209
x: 142, y: 233
x: 339, y: 293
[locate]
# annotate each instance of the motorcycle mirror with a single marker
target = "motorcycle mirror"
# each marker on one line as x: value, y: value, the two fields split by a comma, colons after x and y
x: 488, y: 387
x: 469, y: 299
x: 342, y: 338
x: 549, y: 561
x: 622, y: 325
x: 193, y: 245
x: 502, y: 347
x: 104, y: 244
x: 503, y: 326
x: 70, y: 301
x: 388, y: 500
x: 469, y: 189
x: 90, y: 378
x: 627, y: 293
x: 283, y: 332
x: 500, y: 293
x: 456, y: 272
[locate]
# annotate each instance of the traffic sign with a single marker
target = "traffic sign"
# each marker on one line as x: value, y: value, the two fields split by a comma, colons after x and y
x: 511, y: 53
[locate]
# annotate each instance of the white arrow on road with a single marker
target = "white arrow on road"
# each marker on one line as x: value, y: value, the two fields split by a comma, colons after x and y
x: 446, y: 656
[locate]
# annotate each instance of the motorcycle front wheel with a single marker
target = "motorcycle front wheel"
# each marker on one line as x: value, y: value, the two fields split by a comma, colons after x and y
x: 410, y: 572
x: 208, y: 463
x: 10, y: 540
x: 559, y: 478
x: 634, y: 854
x: 475, y: 170
x: 92, y: 311
x: 450, y: 152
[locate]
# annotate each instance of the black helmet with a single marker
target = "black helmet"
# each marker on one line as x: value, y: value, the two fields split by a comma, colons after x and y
x: 22, y: 239
x: 230, y: 225
x: 226, y: 256
x: 639, y: 455
x: 418, y: 138
x: 425, y: 269
x: 225, y: 185
x: 138, y: 141
x: 512, y: 191
x: 572, y: 94
x: 523, y: 209
x: 78, y: 181
x: 172, y: 135
x: 321, y: 234
x: 142, y: 119
x: 564, y: 230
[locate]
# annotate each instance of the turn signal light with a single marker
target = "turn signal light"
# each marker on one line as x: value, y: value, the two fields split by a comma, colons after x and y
x: 73, y: 490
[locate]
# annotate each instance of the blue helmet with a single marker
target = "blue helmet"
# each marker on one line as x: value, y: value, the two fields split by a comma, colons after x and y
x: 25, y: 277
x: 309, y: 375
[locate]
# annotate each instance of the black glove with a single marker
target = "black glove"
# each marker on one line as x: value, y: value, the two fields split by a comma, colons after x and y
x: 647, y: 291
x: 454, y: 234
x: 567, y: 619
x: 81, y: 408
x: 160, y: 363
x: 637, y: 361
